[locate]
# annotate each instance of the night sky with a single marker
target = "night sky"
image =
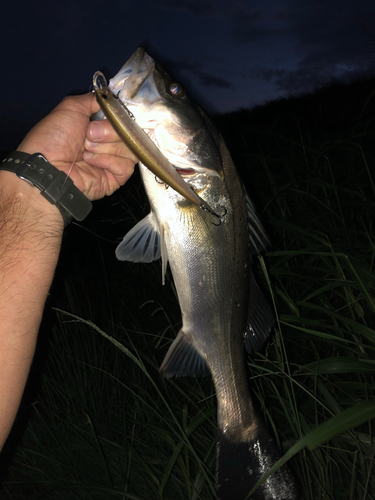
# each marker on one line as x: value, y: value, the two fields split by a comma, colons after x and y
x: 229, y: 54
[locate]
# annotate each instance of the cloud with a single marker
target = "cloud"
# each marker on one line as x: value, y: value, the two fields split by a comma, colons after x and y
x: 213, y: 81
x: 302, y: 80
x: 332, y: 32
x: 240, y: 22
x: 267, y: 74
x: 250, y: 25
x: 308, y: 78
x: 326, y: 41
x: 196, y: 68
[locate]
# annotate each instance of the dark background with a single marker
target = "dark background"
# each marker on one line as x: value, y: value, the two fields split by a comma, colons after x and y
x: 229, y: 54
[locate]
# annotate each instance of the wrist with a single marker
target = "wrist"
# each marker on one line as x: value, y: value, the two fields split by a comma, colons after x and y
x: 54, y: 185
x: 28, y: 200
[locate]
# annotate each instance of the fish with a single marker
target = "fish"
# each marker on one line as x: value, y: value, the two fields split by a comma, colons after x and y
x: 210, y: 257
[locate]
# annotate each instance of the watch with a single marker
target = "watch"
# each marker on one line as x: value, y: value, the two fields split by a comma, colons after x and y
x: 57, y: 187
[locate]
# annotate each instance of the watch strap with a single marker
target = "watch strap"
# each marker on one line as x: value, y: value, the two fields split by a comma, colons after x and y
x: 57, y: 187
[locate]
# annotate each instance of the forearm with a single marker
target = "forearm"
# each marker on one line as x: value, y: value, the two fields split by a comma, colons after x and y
x: 31, y: 230
x: 30, y: 238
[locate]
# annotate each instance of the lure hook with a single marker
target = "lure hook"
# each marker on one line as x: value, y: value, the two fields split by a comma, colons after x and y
x: 207, y: 209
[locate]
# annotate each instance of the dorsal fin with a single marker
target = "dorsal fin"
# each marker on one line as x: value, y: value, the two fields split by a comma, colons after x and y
x: 259, y: 240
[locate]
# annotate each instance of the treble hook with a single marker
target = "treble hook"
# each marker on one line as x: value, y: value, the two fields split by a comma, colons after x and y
x: 207, y: 209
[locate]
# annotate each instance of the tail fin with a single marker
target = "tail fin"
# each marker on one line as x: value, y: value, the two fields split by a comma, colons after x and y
x: 240, y: 465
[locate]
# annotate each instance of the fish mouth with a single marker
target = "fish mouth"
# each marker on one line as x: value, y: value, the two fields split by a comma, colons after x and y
x: 186, y: 172
x: 131, y: 79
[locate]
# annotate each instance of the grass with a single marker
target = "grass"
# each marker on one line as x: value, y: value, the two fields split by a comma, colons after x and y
x: 102, y: 423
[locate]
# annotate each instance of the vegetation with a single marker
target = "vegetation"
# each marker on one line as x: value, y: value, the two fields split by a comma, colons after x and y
x: 98, y: 421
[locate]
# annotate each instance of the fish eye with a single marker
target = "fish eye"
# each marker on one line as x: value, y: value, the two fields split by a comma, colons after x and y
x: 176, y: 90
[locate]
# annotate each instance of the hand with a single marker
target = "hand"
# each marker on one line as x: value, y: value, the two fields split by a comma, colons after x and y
x: 101, y: 164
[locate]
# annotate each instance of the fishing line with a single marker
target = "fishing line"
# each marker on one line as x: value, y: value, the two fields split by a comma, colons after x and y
x: 94, y: 233
x: 72, y: 165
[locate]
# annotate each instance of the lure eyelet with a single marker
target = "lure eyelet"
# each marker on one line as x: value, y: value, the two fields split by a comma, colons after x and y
x: 159, y: 181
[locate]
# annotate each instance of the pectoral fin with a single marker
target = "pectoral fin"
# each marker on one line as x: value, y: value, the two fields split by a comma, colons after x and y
x: 144, y: 243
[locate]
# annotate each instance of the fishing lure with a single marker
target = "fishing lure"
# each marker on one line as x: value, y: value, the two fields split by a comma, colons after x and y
x: 123, y: 121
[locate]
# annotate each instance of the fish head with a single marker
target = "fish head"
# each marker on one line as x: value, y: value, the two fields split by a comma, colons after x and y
x: 164, y: 111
